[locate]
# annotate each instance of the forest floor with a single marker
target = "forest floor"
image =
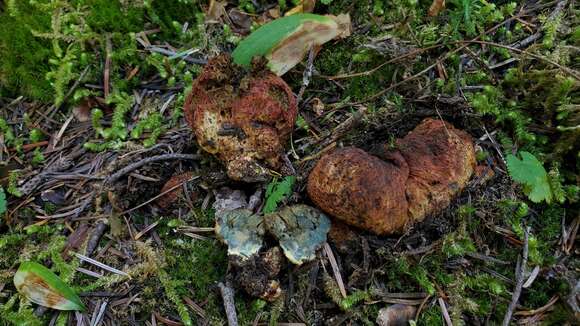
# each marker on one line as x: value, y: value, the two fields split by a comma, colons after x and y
x: 92, y: 127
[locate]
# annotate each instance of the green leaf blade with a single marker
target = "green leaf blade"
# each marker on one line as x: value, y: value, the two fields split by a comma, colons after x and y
x: 41, y: 286
x: 2, y: 201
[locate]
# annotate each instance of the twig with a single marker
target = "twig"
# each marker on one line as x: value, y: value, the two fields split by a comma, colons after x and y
x: 228, y: 295
x: 547, y: 306
x: 60, y: 133
x: 165, y: 157
x: 567, y: 70
x: 335, y: 269
x: 107, y: 72
x: 306, y: 75
x: 444, y: 312
x: 175, y: 55
x: 101, y: 265
x: 520, y: 271
x: 95, y: 238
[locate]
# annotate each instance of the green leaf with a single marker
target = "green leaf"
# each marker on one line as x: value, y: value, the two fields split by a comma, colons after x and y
x: 276, y: 192
x: 530, y: 172
x: 41, y: 286
x: 2, y: 201
x: 285, y: 41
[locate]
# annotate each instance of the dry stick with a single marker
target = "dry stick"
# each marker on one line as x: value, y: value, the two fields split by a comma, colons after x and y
x: 107, y: 72
x: 96, y: 236
x: 445, y: 312
x: 567, y: 70
x: 165, y: 157
x: 335, y: 269
x: 419, y: 51
x: 520, y: 271
x: 228, y: 296
x: 306, y: 75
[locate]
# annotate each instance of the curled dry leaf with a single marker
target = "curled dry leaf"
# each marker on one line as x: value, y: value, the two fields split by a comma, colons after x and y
x: 301, y: 230
x: 284, y: 42
x: 387, y: 194
x: 243, y: 117
x: 173, y: 196
x: 216, y: 10
x: 241, y: 230
x: 41, y: 286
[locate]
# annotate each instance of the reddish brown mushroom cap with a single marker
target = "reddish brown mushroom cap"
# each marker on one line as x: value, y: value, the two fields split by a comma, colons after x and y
x: 384, y: 195
x: 441, y: 161
x: 242, y: 117
x: 361, y: 189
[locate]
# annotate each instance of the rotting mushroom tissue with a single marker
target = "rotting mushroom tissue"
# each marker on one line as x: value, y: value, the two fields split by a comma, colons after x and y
x: 243, y: 117
x: 387, y: 194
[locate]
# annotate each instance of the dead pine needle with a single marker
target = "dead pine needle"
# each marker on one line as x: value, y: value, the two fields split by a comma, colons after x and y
x: 520, y: 275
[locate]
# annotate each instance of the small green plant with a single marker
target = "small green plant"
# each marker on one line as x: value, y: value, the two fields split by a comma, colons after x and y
x: 13, y: 184
x: 278, y: 191
x: 37, y: 157
x: 530, y: 172
x: 152, y: 124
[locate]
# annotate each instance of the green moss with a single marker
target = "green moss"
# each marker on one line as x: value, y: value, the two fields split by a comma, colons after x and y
x: 334, y: 60
x: 153, y: 124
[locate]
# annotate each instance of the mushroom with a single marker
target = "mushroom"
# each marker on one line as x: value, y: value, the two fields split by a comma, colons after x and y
x: 387, y: 194
x: 243, y: 117
x: 241, y: 231
x: 300, y: 229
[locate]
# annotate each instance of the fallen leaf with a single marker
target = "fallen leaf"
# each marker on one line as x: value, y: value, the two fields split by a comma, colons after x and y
x: 41, y: 286
x: 82, y: 111
x: 436, y: 7
x: 285, y: 41
x: 241, y: 21
x: 215, y: 11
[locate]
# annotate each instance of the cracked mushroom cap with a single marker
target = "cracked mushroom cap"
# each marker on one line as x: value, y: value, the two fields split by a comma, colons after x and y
x: 242, y: 117
x: 385, y: 195
x: 300, y: 229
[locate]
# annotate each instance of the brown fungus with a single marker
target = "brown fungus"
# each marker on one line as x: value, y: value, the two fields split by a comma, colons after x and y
x: 385, y: 195
x: 243, y: 117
